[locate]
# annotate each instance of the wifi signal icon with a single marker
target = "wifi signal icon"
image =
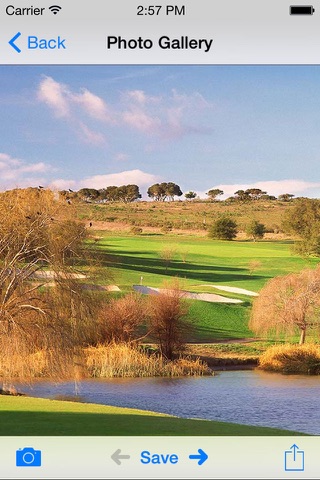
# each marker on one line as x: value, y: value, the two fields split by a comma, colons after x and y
x: 55, y: 9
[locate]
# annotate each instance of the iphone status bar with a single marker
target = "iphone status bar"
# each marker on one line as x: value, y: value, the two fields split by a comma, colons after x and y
x: 127, y: 32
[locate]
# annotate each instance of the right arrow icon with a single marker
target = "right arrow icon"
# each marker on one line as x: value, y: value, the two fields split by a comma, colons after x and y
x: 201, y: 456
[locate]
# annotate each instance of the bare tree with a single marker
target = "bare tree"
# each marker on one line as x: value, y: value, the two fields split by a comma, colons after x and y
x: 121, y: 318
x: 254, y: 265
x: 167, y: 319
x: 184, y: 252
x: 288, y: 304
x: 40, y: 247
x: 167, y: 254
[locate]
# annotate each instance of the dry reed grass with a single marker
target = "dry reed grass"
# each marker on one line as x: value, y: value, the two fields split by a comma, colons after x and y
x: 125, y: 360
x: 104, y: 361
x: 292, y: 359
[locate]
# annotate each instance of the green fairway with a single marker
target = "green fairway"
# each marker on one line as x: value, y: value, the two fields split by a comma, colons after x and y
x: 200, y: 263
x: 218, y: 321
x: 34, y: 416
x: 196, y: 260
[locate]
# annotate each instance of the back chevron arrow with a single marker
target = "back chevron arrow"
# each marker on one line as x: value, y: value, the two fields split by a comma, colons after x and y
x: 12, y: 44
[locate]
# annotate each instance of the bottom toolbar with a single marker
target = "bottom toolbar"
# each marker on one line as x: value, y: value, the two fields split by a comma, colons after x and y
x: 160, y: 457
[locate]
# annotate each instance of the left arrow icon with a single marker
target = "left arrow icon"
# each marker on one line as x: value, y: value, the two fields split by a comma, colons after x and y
x: 12, y: 44
x: 117, y: 457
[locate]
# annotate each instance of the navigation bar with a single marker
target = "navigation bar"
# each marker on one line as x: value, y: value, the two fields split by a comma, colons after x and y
x: 183, y: 32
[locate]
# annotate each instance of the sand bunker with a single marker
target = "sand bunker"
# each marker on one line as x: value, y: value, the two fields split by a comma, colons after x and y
x: 205, y: 297
x: 112, y: 288
x: 84, y: 286
x: 234, y: 290
x: 51, y: 274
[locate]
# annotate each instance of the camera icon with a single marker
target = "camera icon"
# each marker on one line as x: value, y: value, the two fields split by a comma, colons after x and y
x: 28, y: 457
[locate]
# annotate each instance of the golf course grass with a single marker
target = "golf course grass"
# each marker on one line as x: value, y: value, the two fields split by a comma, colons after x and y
x: 34, y: 416
x: 197, y: 260
x: 199, y: 263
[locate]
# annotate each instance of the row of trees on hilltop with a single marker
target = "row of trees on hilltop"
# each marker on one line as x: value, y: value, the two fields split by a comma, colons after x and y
x: 160, y: 192
x: 251, y: 194
x: 124, y: 193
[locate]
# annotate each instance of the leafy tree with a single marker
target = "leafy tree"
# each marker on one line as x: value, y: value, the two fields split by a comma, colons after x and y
x: 88, y: 194
x: 249, y: 194
x: 163, y: 191
x: 110, y: 194
x: 285, y: 197
x: 157, y: 192
x: 267, y: 197
x: 242, y: 195
x: 288, y: 304
x: 255, y: 193
x: 124, y: 193
x: 172, y: 190
x: 303, y: 220
x: 190, y: 195
x: 128, y: 193
x: 214, y: 193
x: 223, y: 229
x: 255, y: 230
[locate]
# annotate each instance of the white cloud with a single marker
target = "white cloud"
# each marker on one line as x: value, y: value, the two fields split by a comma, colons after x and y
x: 61, y: 184
x: 63, y: 103
x: 140, y: 120
x: 122, y: 157
x: 167, y: 117
x: 139, y: 97
x: 55, y: 95
x: 137, y: 177
x: 89, y: 136
x: 13, y: 172
x: 93, y: 105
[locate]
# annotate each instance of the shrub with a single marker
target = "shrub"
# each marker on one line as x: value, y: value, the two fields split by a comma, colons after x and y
x: 136, y: 230
x: 292, y: 359
x: 120, y: 319
x: 255, y: 230
x: 223, y: 229
x: 167, y: 227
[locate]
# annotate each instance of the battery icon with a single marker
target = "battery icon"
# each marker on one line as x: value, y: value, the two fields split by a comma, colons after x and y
x: 301, y: 10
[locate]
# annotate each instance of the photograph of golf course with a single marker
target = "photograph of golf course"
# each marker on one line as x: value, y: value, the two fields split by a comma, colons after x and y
x: 159, y: 250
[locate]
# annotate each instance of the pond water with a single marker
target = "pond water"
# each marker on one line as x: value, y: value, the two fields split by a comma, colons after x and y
x: 248, y: 397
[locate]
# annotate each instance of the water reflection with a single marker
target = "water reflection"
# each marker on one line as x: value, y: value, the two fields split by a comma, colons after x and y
x: 249, y: 397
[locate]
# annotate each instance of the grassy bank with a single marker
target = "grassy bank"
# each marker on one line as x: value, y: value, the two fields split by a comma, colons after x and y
x: 193, y: 216
x: 292, y: 359
x: 34, y: 416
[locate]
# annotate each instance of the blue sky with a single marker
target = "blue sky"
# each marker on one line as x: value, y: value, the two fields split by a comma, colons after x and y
x: 199, y: 126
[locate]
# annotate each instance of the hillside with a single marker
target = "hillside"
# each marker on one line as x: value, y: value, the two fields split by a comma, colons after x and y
x: 188, y: 216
